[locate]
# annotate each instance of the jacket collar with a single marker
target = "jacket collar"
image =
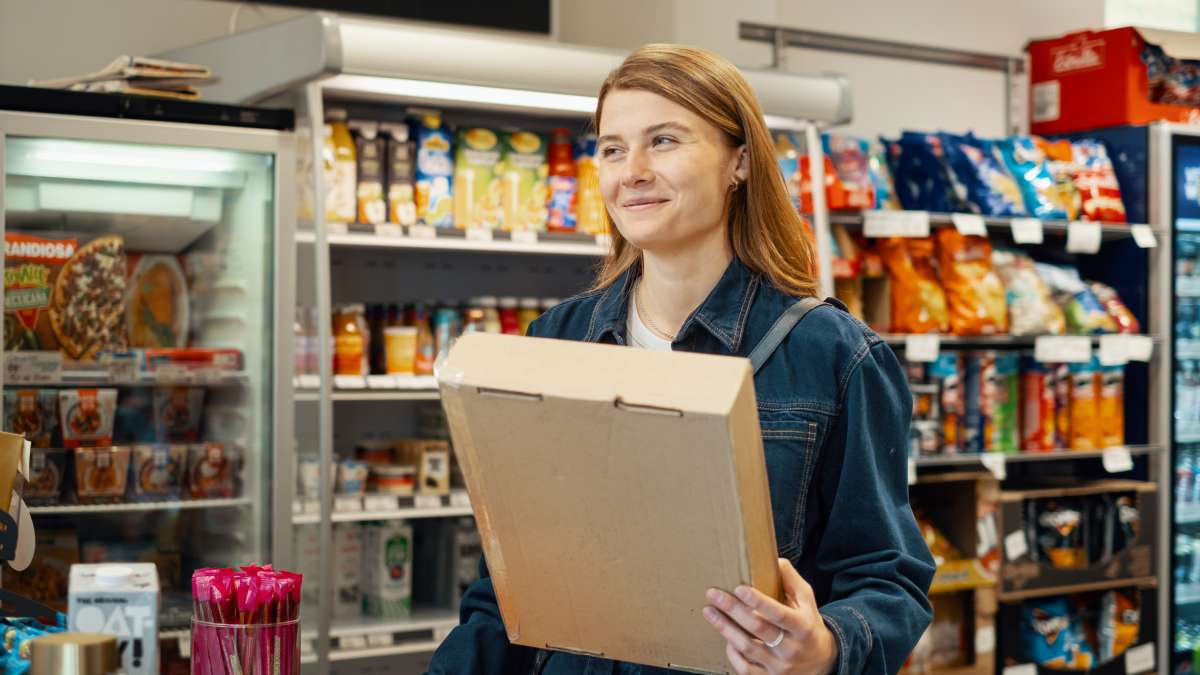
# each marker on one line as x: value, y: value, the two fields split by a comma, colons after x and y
x: 723, y: 313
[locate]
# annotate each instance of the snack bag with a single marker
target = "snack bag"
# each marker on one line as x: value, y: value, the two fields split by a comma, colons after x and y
x: 918, y: 302
x: 1086, y: 432
x: 1037, y: 406
x: 1062, y: 405
x: 1124, y: 319
x: 523, y: 190
x: 923, y: 164
x: 1097, y: 182
x: 1110, y: 408
x: 1028, y: 166
x: 1060, y: 161
x: 939, y: 546
x: 1031, y: 309
x: 787, y: 155
x: 1126, y: 522
x: 1082, y: 309
x: 990, y: 187
x: 1120, y: 620
x: 907, y: 191
x: 1053, y: 635
x: 975, y: 402
x: 881, y: 178
x: 1058, y: 524
x: 975, y: 294
x: 477, y: 180
x: 435, y: 167
x: 850, y: 158
x: 946, y: 374
x: 1003, y: 382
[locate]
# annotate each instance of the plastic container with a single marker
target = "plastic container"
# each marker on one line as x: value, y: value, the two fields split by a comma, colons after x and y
x: 393, y: 479
x: 245, y: 649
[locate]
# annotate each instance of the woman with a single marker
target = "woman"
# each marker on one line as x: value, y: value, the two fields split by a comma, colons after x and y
x: 708, y: 252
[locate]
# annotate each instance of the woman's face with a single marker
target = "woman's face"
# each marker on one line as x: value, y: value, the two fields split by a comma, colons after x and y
x: 665, y: 172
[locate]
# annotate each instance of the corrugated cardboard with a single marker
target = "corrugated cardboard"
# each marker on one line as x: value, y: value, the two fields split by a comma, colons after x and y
x: 612, y: 486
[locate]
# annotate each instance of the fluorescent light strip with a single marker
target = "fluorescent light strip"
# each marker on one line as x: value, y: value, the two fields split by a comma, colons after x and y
x: 462, y: 93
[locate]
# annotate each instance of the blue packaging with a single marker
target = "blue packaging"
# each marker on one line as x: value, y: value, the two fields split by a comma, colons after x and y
x: 1053, y: 635
x: 990, y: 186
x: 1028, y: 165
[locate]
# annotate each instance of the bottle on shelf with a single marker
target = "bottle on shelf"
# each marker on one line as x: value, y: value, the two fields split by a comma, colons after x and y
x: 301, y: 341
x: 529, y: 311
x: 562, y: 183
x: 351, y: 341
x: 510, y: 323
x: 491, y: 313
x: 426, y: 344
x: 376, y: 322
x: 340, y: 168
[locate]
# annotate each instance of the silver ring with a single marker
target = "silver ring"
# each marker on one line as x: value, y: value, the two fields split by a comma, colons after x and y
x: 777, y: 641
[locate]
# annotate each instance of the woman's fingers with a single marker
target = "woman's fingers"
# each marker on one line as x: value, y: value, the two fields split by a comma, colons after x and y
x: 739, y: 662
x: 770, y: 609
x: 746, y: 617
x: 795, y: 585
x: 736, y: 637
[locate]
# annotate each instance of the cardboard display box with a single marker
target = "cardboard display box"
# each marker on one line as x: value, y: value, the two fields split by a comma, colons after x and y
x: 1022, y: 575
x: 962, y: 638
x: 612, y: 487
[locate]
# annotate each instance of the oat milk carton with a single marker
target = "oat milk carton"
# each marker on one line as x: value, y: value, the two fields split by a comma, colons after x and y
x: 120, y: 600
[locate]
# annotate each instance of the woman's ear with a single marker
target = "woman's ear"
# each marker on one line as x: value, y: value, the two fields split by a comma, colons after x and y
x: 741, y: 168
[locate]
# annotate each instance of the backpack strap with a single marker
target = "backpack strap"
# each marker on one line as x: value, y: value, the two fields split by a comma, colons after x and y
x: 781, y: 329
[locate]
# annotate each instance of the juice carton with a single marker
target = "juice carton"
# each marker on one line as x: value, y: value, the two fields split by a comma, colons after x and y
x: 401, y: 165
x: 371, y: 150
x: 523, y: 188
x: 435, y: 167
x: 589, y: 206
x: 477, y: 179
x: 387, y: 569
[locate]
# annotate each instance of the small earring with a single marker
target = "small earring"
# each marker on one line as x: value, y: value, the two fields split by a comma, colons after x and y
x: 734, y: 185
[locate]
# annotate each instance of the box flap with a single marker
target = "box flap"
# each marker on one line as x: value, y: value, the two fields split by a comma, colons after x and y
x: 612, y: 487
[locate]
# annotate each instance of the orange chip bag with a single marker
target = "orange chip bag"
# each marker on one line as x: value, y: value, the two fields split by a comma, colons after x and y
x: 918, y: 302
x: 975, y: 294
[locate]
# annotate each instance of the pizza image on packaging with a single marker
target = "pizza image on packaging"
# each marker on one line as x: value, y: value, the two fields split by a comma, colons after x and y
x: 87, y: 310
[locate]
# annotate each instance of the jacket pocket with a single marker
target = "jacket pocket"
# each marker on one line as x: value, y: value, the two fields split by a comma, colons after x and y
x: 791, y: 436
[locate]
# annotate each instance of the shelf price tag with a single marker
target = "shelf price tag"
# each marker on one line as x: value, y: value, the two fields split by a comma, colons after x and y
x: 1062, y: 349
x: 379, y: 503
x: 896, y: 224
x: 185, y: 645
x: 428, y: 502
x: 912, y: 471
x: 1140, y: 659
x: 381, y: 382
x: 388, y: 230
x: 994, y: 462
x: 604, y: 240
x: 349, y: 382
x: 381, y: 640
x: 922, y: 348
x: 460, y: 498
x: 337, y: 228
x: 1023, y: 669
x: 308, y: 381
x: 347, y: 503
x: 1027, y: 231
x: 969, y: 224
x: 353, y: 642
x: 1117, y: 460
x: 32, y: 367
x: 525, y: 237
x: 1083, y: 237
x: 1114, y: 350
x: 1139, y: 347
x: 985, y: 640
x: 1143, y: 235
x: 422, y: 232
x: 1015, y: 545
x: 479, y: 234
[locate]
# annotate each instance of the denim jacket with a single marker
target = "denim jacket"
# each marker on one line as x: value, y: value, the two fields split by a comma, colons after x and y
x: 834, y: 407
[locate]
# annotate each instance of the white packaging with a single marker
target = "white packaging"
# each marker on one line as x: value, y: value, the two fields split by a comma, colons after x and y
x: 387, y: 569
x: 120, y: 600
x: 308, y: 558
x: 347, y: 570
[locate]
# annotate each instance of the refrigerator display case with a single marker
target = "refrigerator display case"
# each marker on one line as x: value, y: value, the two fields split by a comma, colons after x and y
x: 148, y: 276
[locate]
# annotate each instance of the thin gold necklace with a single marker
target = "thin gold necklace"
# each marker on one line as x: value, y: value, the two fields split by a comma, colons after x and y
x: 649, y: 323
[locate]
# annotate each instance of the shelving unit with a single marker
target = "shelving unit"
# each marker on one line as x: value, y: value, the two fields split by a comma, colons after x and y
x: 85, y: 509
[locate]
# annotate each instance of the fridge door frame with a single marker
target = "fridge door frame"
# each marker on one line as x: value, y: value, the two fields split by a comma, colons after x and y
x: 280, y: 144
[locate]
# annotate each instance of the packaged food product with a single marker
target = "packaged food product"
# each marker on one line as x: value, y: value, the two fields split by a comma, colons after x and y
x: 925, y: 401
x: 426, y: 346
x: 1037, y: 406
x: 33, y: 413
x: 926, y: 438
x: 974, y: 400
x: 47, y: 577
x: 1120, y: 620
x: 387, y: 569
x: 213, y: 470
x: 1126, y: 522
x: 918, y: 304
x: 158, y: 471
x: 907, y: 188
x: 1110, y: 409
x: 370, y: 149
x: 191, y: 360
x: 352, y: 477
x: 850, y: 158
x: 946, y: 373
x: 1062, y: 405
x: 590, y: 214
x: 881, y: 177
x: 350, y: 340
x: 1060, y: 162
x: 1059, y: 527
x: 1086, y: 430
x: 401, y: 168
x: 157, y: 311
x: 923, y: 166
x: 373, y: 451
x: 177, y: 413
x: 1052, y: 635
x: 432, y: 459
x: 32, y: 266
x: 87, y: 416
x: 477, y: 182
x: 122, y: 601
x: 1031, y: 308
x: 561, y: 183
x: 435, y: 168
x: 990, y: 187
x: 47, y: 476
x: 309, y: 472
x: 1003, y: 384
x: 400, y: 345
x: 975, y: 295
x: 393, y: 479
x: 340, y: 168
x: 1097, y: 182
x: 510, y: 321
x: 1028, y: 165
x: 348, y: 568
x: 87, y: 308
x: 527, y: 314
x: 1124, y: 319
x: 1083, y: 311
x: 523, y: 189
x: 101, y: 474
x: 939, y: 546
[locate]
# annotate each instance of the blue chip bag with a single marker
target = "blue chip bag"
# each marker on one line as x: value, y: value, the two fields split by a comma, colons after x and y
x: 981, y: 170
x: 923, y: 165
x: 907, y: 192
x: 1028, y: 165
x: 881, y: 177
x: 1053, y: 635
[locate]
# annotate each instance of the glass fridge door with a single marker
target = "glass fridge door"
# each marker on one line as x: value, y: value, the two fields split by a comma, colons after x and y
x: 138, y: 333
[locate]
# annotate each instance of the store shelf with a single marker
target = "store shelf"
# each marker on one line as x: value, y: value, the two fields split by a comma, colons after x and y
x: 49, y: 369
x: 977, y: 459
x: 371, y: 395
x: 456, y: 240
x: 996, y: 224
x: 989, y: 341
x: 1187, y: 513
x: 407, y: 508
x: 84, y: 509
x: 368, y: 637
x: 1108, y: 584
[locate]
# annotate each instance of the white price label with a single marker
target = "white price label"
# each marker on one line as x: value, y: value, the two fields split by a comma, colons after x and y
x: 1023, y: 669
x: 896, y: 223
x: 1083, y: 237
x: 428, y: 502
x: 422, y: 232
x: 1140, y: 659
x: 309, y: 381
x: 922, y: 348
x: 986, y: 534
x: 985, y: 639
x: 1027, y: 231
x: 185, y: 646
x: 1139, y: 347
x: 969, y: 224
x: 1118, y: 460
x: 1062, y: 349
x: 353, y: 642
x: 1144, y: 236
x: 312, y: 506
x: 912, y: 471
x: 525, y: 237
x: 1114, y: 350
x: 460, y: 498
x: 32, y: 367
x: 379, y: 503
x: 381, y: 640
x: 337, y: 228
x: 347, y: 503
x: 349, y: 382
x: 389, y: 230
x: 995, y: 463
x: 1015, y: 545
x: 381, y: 382
x: 297, y: 507
x: 604, y: 240
x: 479, y: 234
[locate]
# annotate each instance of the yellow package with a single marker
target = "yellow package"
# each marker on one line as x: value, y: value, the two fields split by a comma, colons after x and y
x: 590, y: 217
x: 523, y: 181
x: 477, y: 180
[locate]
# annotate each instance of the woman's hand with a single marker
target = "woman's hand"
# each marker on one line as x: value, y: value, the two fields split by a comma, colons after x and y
x: 750, y: 621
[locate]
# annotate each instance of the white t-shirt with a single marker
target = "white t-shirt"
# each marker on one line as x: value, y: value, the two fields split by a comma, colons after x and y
x: 640, y: 335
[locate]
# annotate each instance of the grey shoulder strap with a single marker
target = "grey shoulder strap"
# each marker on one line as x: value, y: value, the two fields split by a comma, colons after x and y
x: 782, y: 328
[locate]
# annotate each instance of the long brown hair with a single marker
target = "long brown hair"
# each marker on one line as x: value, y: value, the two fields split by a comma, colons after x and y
x: 765, y: 231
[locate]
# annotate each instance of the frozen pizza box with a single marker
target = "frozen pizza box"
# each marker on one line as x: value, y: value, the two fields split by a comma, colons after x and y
x: 594, y: 468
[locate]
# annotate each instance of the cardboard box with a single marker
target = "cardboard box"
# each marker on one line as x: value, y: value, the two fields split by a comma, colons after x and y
x: 120, y: 600
x: 432, y: 459
x: 612, y: 487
